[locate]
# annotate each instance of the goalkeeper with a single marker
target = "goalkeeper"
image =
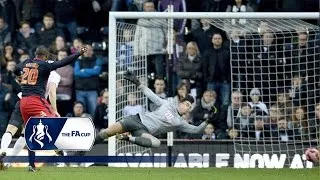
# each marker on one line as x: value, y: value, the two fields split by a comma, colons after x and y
x: 143, y: 127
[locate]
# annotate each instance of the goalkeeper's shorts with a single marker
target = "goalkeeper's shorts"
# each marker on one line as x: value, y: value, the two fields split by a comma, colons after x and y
x: 133, y: 125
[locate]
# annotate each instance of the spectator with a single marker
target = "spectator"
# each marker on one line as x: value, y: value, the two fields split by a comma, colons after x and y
x: 86, y: 73
x: 9, y: 55
x: 57, y: 45
x: 216, y: 69
x: 64, y: 91
x: 283, y: 133
x: 285, y: 104
x: 8, y: 76
x: 133, y: 106
x: 300, y: 124
x: 159, y: 89
x: 239, y: 6
x: 26, y: 41
x: 5, y: 34
x: 256, y: 104
x: 190, y: 67
x: 214, y: 5
x: 202, y: 36
x: 78, y: 110
x: 146, y: 32
x: 65, y: 16
x: 76, y: 44
x: 243, y: 119
x: 209, y: 133
x: 233, y: 133
x: 125, y: 52
x: 23, y: 57
x: 101, y: 112
x: 234, y: 108
x: 6, y: 106
x: 298, y: 91
x: 48, y: 31
x: 257, y: 128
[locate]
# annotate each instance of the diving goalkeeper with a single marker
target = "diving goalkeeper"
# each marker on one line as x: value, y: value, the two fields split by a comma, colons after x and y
x: 143, y: 127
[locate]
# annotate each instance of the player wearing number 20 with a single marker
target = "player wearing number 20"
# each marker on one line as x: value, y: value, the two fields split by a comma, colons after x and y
x: 143, y: 127
x: 34, y: 76
x: 35, y: 73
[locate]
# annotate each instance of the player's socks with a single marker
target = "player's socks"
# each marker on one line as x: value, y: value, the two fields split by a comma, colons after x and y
x: 99, y: 138
x: 6, y: 140
x: 32, y: 157
x: 19, y: 145
x: 141, y: 141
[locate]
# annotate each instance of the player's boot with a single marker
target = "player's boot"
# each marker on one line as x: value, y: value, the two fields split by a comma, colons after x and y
x: 31, y: 169
x: 2, y: 166
x: 122, y: 137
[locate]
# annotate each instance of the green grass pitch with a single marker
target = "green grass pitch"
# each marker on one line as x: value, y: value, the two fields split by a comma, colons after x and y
x: 105, y: 173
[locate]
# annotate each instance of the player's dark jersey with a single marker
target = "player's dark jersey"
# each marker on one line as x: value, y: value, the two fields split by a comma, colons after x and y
x: 35, y: 74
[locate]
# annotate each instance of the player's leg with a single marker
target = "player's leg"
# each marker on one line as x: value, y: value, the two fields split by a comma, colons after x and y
x: 109, y: 132
x: 14, y: 123
x: 145, y: 140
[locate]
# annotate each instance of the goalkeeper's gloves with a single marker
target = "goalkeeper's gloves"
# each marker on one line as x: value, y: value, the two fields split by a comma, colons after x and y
x: 132, y: 78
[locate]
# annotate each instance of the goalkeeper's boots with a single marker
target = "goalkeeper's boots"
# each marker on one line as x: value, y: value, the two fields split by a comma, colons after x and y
x: 2, y: 166
x: 32, y: 169
x: 122, y: 137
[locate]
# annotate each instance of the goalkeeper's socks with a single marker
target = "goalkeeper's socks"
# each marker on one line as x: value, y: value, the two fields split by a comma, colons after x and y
x: 6, y: 140
x: 32, y: 157
x: 98, y: 139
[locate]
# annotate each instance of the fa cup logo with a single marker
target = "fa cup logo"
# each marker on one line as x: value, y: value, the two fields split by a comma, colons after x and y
x: 39, y: 132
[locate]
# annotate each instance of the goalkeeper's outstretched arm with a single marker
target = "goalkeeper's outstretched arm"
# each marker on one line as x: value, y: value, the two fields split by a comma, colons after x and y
x: 188, y: 128
x: 145, y: 90
x: 151, y: 95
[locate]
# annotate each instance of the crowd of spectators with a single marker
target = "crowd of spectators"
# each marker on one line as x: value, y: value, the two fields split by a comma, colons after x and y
x: 201, y: 65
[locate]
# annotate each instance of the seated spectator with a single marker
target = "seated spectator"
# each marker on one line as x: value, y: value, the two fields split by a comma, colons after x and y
x: 133, y: 107
x: 49, y: 31
x: 101, y: 113
x: 208, y: 133
x: 190, y: 67
x: 243, y: 119
x: 298, y: 91
x: 8, y: 55
x: 285, y: 105
x: 275, y: 114
x: 300, y: 124
x: 57, y: 45
x: 78, y: 110
x: 233, y: 133
x: 8, y: 74
x: 234, y: 108
x: 76, y: 44
x: 26, y: 40
x: 257, y: 128
x: 283, y: 133
x: 255, y: 104
x: 159, y: 89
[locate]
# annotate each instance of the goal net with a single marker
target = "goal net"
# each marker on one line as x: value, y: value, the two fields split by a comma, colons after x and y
x: 274, y: 67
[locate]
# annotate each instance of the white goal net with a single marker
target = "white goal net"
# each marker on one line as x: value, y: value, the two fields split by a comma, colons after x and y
x: 274, y: 63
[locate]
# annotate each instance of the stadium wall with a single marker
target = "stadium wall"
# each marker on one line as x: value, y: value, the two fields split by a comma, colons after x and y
x: 205, y: 154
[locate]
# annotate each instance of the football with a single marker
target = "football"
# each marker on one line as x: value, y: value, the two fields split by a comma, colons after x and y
x: 312, y: 154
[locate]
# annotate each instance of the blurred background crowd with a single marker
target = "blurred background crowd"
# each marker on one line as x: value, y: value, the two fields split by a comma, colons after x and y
x: 285, y: 108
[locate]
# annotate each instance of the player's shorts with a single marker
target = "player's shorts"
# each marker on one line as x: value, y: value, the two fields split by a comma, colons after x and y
x: 35, y: 106
x: 133, y: 125
x: 16, y: 117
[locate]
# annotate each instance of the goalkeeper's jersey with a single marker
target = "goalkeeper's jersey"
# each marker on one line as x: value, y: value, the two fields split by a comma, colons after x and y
x: 166, y: 118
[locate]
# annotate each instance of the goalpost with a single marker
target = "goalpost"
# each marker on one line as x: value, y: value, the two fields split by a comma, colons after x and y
x: 253, y: 66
